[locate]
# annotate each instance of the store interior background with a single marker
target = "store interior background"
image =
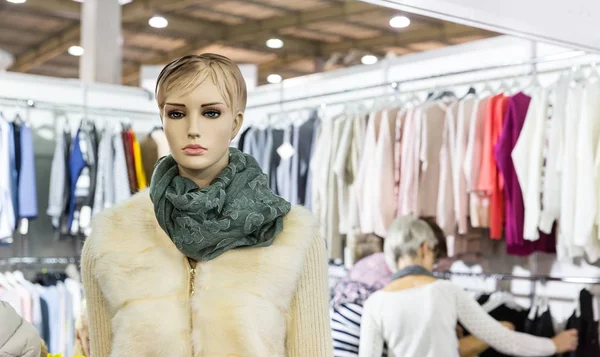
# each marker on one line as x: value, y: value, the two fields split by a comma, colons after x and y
x: 329, y: 53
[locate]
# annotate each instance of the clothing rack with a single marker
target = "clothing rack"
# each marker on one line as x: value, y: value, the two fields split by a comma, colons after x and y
x: 83, y: 109
x: 39, y: 261
x: 396, y: 85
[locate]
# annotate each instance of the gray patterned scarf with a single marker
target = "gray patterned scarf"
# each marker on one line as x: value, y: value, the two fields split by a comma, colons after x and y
x: 236, y: 210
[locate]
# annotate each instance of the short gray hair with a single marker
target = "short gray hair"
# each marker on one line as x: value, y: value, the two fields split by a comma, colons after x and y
x: 404, y: 238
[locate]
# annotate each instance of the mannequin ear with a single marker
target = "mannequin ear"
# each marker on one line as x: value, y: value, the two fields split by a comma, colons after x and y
x: 238, y: 120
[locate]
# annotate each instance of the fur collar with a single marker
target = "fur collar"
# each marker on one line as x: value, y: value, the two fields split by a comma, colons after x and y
x: 240, y: 301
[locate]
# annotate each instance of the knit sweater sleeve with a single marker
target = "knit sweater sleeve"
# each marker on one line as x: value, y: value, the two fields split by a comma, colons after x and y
x: 100, y: 330
x: 309, y: 332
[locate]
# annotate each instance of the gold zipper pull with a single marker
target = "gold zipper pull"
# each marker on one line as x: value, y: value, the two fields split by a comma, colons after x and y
x: 193, y: 275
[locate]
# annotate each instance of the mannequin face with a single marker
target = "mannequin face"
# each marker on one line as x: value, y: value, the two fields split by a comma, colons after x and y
x: 199, y: 126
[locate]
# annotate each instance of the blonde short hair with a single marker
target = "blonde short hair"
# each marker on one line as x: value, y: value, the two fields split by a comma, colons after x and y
x: 404, y: 238
x: 188, y: 72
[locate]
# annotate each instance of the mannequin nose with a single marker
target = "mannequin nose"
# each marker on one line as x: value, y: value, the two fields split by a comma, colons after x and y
x: 194, y: 129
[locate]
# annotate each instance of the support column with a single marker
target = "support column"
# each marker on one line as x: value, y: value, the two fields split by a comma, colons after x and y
x: 102, y: 42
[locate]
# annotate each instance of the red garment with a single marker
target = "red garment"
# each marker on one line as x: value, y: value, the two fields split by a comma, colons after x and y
x: 490, y: 180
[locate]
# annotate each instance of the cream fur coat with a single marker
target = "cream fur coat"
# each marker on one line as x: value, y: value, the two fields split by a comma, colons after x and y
x: 250, y: 302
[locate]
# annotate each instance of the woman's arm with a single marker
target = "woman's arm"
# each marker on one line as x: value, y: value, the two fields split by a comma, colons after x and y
x: 471, y: 346
x: 309, y: 330
x: 97, y: 308
x: 482, y: 325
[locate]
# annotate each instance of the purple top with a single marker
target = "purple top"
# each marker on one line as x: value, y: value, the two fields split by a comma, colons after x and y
x: 515, y: 209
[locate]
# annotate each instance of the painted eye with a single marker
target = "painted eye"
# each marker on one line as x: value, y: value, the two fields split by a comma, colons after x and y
x: 212, y: 114
x: 176, y: 114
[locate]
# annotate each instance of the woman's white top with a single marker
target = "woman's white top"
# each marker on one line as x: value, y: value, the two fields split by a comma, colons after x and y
x: 421, y: 322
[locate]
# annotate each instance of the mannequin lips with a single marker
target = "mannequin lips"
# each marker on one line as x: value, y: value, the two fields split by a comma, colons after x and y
x: 194, y: 150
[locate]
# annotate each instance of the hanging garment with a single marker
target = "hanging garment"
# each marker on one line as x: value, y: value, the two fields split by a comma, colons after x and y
x: 58, y: 176
x: 121, y: 181
x: 7, y: 211
x: 409, y: 163
x: 586, y: 323
x: 344, y: 174
x: 309, y: 172
x: 242, y: 139
x: 140, y: 175
x: 366, y: 182
x: 129, y: 160
x: 490, y: 181
x: 303, y: 143
x: 551, y: 196
x: 384, y: 202
x: 527, y: 156
x: 510, y: 137
x: 478, y: 201
x: 585, y: 232
x: 104, y: 196
x: 464, y: 116
x: 445, y: 215
x: 400, y: 122
x: 568, y: 171
x: 284, y: 169
x: 432, y: 118
x: 334, y: 239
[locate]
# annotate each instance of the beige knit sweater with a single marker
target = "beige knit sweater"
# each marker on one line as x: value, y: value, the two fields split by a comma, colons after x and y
x: 144, y: 300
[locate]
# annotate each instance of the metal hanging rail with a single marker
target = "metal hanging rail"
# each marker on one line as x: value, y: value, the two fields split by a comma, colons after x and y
x: 39, y: 261
x: 83, y: 109
x: 536, y: 278
x: 397, y: 83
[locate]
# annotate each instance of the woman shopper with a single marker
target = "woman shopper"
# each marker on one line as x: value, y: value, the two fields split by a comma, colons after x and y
x: 367, y: 276
x: 209, y: 262
x: 416, y: 315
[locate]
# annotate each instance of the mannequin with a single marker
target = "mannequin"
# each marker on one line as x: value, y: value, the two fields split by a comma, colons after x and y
x: 207, y: 262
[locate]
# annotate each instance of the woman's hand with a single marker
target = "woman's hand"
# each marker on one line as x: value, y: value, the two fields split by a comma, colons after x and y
x: 566, y: 341
x: 508, y: 325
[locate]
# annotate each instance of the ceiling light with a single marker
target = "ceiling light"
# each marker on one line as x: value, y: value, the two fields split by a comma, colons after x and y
x: 158, y: 22
x: 76, y: 51
x: 274, y: 43
x: 274, y: 78
x: 399, y: 22
x: 369, y: 59
x: 17, y: 1
x: 122, y: 2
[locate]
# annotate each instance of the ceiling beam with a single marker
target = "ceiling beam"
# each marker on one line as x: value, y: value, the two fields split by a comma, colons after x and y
x: 404, y: 38
x: 261, y: 30
x: 60, y: 42
x: 47, y: 50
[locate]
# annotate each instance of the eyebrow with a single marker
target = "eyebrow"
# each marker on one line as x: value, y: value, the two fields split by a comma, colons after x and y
x: 209, y: 104
x: 203, y: 105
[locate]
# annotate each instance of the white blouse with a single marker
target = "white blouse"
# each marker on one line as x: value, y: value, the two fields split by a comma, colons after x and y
x: 421, y: 322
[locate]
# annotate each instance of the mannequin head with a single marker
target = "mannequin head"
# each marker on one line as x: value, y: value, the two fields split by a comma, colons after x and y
x: 412, y: 241
x: 202, y: 99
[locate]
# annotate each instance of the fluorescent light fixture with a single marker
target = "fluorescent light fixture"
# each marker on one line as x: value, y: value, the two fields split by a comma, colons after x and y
x: 158, y: 22
x: 274, y: 78
x: 76, y: 51
x: 274, y: 43
x: 399, y: 22
x: 369, y: 59
x: 17, y: 1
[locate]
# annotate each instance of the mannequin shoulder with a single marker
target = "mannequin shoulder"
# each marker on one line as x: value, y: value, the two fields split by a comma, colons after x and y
x: 131, y: 218
x: 300, y: 230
